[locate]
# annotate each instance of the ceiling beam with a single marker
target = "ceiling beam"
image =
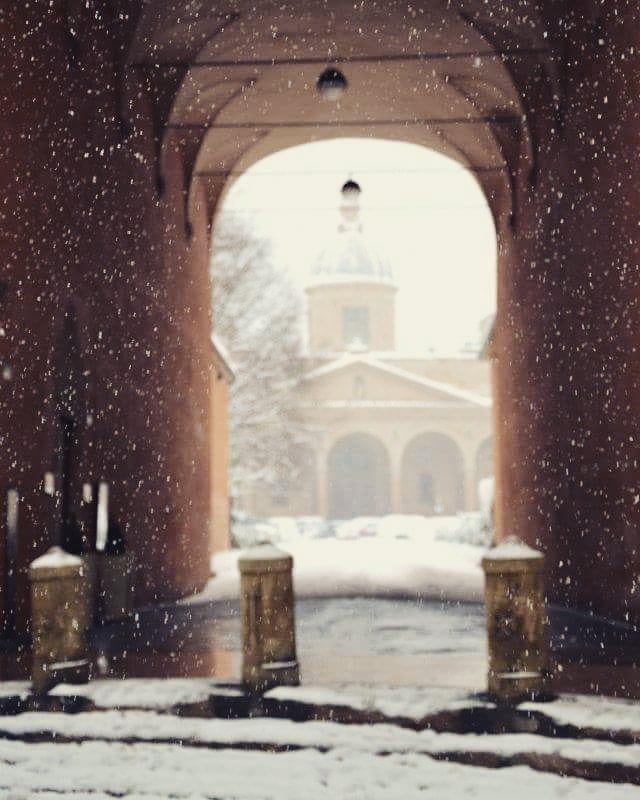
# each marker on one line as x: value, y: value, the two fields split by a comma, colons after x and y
x: 223, y: 173
x: 492, y: 119
x: 443, y: 55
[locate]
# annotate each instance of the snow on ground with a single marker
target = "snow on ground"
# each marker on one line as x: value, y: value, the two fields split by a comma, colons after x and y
x: 98, y: 770
x: 156, y: 755
x: 15, y: 688
x: 320, y: 735
x: 153, y: 694
x: 603, y: 714
x: 148, y: 693
x: 157, y: 694
x: 589, y: 711
x: 392, y: 701
x: 398, y: 555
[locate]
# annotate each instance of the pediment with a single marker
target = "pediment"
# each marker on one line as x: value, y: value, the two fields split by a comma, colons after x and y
x: 367, y: 380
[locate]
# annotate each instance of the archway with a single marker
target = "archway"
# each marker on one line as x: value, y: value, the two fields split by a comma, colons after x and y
x: 358, y: 477
x: 410, y: 305
x: 185, y: 103
x: 432, y: 476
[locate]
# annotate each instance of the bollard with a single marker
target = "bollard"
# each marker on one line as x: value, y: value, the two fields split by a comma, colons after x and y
x: 59, y: 619
x: 268, y: 625
x: 516, y: 621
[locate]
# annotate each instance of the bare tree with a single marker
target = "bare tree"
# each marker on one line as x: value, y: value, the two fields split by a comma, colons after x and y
x: 257, y: 315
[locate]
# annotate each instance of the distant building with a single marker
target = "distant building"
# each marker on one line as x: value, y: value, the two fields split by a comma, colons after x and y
x: 388, y: 433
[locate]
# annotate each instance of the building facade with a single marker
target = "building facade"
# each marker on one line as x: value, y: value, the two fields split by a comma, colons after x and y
x: 387, y: 433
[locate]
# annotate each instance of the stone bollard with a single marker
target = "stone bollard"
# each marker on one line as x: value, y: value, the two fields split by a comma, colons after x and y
x: 516, y: 621
x: 268, y: 625
x: 59, y: 619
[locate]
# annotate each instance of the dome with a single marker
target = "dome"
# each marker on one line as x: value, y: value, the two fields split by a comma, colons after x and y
x: 347, y: 255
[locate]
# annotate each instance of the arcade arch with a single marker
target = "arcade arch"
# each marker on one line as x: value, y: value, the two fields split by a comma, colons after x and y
x: 432, y: 476
x: 358, y: 477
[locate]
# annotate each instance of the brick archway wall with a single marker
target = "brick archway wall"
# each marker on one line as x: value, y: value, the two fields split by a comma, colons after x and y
x: 95, y: 215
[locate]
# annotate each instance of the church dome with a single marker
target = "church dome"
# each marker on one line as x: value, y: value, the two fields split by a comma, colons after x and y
x: 347, y: 255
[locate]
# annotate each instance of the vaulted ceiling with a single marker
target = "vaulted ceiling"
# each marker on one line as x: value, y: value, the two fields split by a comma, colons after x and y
x: 234, y: 82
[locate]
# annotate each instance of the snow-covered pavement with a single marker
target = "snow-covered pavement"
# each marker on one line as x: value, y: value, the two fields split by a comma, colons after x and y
x: 100, y: 770
x: 281, y: 734
x: 140, y: 749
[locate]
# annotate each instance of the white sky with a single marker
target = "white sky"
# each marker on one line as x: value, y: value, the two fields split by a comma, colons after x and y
x: 424, y: 211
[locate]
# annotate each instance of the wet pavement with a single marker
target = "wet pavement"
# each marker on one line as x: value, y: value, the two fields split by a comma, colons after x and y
x: 338, y: 640
x: 356, y: 640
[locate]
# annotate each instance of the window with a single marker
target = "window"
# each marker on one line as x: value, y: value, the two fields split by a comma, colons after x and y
x: 355, y: 325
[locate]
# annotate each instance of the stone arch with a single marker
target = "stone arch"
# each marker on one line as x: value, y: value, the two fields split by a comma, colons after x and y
x: 432, y: 475
x: 358, y: 477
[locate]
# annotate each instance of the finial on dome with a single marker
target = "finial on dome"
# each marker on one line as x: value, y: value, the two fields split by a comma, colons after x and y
x: 350, y: 206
